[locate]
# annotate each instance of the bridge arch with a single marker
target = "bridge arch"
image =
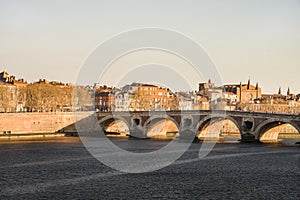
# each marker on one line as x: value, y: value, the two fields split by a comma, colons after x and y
x: 269, y: 124
x: 106, y: 121
x: 154, y: 121
x: 211, y: 119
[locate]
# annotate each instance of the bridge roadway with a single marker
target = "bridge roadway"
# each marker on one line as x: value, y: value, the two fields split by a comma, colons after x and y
x: 251, y: 125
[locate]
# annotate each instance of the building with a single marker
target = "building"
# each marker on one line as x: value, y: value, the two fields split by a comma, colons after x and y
x: 206, y: 88
x: 124, y: 96
x: 104, y: 98
x: 210, y: 91
x: 186, y: 100
x: 8, y: 97
x: 150, y: 97
x: 213, y: 94
x: 230, y: 98
x: 173, y: 102
x: 144, y: 97
x: 13, y: 93
x: 246, y: 93
x: 6, y: 78
x: 201, y: 103
x: 122, y: 101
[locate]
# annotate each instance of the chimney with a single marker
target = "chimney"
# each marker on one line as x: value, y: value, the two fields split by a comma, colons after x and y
x: 240, y: 91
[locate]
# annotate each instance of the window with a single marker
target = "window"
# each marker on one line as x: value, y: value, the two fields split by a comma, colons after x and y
x: 249, y: 97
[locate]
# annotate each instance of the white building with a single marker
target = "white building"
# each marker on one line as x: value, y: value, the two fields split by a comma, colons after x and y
x: 124, y: 97
x: 186, y: 100
x: 122, y: 101
x: 230, y: 97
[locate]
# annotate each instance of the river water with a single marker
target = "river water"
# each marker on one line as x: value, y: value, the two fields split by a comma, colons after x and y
x: 58, y: 168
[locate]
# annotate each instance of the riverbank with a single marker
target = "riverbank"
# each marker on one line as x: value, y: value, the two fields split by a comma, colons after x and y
x: 28, y: 136
x: 13, y: 124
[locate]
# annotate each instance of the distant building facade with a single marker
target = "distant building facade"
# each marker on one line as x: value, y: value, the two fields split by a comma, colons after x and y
x: 8, y: 97
x: 52, y: 96
x: 246, y: 93
x: 186, y: 100
x: 124, y: 96
x: 12, y: 93
x: 213, y: 94
x: 143, y: 97
x: 104, y: 98
x: 150, y: 97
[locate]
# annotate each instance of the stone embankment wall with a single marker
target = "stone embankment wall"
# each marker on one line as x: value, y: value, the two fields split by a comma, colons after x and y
x: 23, y: 123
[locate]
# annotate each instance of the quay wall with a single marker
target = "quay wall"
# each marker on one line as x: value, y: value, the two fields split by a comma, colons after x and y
x: 28, y: 123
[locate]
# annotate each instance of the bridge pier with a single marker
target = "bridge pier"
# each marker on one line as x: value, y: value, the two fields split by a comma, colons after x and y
x: 248, y: 128
x: 137, y: 132
x: 248, y: 137
x: 187, y: 135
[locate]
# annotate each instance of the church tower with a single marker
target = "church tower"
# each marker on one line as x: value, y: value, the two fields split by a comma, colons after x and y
x: 248, y: 85
x: 256, y: 88
x: 279, y: 90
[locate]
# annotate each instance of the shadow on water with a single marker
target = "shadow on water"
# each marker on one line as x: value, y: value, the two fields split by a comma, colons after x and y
x: 149, y: 145
x: 137, y: 145
x: 284, y: 142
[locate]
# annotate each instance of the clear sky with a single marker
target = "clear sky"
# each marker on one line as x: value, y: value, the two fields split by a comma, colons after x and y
x: 245, y: 38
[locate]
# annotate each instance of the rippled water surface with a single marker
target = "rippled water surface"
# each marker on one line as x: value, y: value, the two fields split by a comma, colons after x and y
x: 62, y: 168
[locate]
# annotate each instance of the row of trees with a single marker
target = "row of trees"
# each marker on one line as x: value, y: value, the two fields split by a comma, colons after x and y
x: 48, y: 97
x: 43, y: 97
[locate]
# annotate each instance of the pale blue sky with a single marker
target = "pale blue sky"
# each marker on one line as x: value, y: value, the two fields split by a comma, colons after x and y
x: 256, y: 38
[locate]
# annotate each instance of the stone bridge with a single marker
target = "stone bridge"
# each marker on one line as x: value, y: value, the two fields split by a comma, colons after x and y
x: 251, y: 125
